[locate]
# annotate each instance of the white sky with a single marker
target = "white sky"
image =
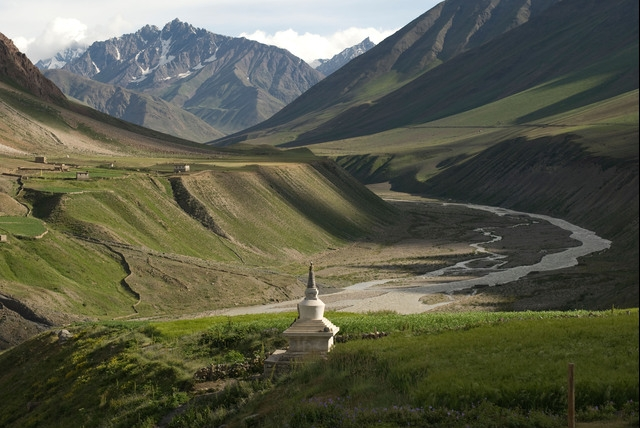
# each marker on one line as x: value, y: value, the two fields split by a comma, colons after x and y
x: 310, y: 29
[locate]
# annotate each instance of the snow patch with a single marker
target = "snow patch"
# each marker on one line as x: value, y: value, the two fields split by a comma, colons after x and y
x: 213, y: 57
x: 165, y: 58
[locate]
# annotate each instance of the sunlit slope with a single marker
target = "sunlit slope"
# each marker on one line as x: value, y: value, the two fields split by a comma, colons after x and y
x: 62, y: 278
x: 149, y: 244
x: 30, y: 125
x: 606, y: 127
x: 137, y: 210
x: 287, y: 209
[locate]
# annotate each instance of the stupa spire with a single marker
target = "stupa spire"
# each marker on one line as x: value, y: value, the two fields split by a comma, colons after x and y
x: 311, y: 293
x: 311, y: 282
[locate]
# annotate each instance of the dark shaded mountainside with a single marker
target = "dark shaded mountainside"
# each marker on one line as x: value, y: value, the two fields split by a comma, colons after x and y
x: 444, y: 32
x: 526, y: 105
x: 461, y: 55
x: 209, y: 84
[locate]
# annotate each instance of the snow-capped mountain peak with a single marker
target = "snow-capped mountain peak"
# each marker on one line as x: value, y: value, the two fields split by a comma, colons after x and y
x: 328, y: 66
x: 62, y: 58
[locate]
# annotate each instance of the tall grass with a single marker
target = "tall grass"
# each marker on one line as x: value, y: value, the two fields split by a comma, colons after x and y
x: 500, y: 369
x: 504, y: 372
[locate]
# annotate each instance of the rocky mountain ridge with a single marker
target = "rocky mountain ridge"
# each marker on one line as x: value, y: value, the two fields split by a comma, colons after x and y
x: 229, y: 83
x: 61, y: 58
x: 17, y: 69
x: 328, y: 66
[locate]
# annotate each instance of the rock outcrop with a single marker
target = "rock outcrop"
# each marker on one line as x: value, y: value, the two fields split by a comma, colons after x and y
x: 18, y: 70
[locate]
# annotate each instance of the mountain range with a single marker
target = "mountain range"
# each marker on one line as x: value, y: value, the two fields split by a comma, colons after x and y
x: 206, y: 84
x: 529, y: 105
x: 227, y: 83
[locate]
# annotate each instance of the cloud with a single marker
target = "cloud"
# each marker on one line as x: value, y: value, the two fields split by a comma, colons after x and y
x: 58, y: 34
x: 310, y: 46
x: 61, y: 33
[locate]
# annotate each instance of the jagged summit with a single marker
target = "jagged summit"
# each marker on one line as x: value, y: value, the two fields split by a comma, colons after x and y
x: 328, y: 66
x: 63, y: 57
x: 228, y: 82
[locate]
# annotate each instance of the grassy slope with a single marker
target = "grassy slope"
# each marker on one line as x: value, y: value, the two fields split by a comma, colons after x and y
x: 31, y: 125
x: 123, y: 238
x: 479, y: 370
x: 439, y: 380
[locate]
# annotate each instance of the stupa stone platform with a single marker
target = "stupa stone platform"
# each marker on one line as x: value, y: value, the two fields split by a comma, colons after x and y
x: 311, y: 334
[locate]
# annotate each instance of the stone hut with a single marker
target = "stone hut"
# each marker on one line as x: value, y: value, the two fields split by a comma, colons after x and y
x: 41, y: 159
x: 3, y: 238
x: 310, y: 334
x: 181, y: 168
x: 82, y: 175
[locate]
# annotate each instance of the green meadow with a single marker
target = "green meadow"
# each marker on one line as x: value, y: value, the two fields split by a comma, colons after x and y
x: 22, y: 226
x: 467, y: 369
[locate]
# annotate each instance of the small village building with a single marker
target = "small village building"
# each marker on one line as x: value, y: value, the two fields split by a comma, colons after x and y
x: 3, y: 238
x: 41, y: 159
x: 310, y: 334
x: 82, y: 175
x: 181, y: 168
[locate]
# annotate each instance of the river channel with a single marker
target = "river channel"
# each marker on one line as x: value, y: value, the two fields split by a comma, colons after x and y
x: 403, y: 295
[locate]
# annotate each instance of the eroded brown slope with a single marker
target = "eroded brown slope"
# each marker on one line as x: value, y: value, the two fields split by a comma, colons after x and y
x: 17, y: 69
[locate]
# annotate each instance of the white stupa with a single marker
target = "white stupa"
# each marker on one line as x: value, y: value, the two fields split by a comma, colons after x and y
x: 310, y: 334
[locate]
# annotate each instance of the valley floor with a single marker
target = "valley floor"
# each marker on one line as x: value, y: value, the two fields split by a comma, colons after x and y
x: 430, y: 269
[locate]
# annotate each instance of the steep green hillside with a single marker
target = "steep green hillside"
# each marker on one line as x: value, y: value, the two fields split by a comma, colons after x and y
x: 277, y: 209
x: 562, y: 42
x: 561, y: 55
x: 149, y: 243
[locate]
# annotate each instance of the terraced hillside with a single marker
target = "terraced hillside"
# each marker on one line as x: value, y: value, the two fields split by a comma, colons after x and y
x: 148, y: 243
